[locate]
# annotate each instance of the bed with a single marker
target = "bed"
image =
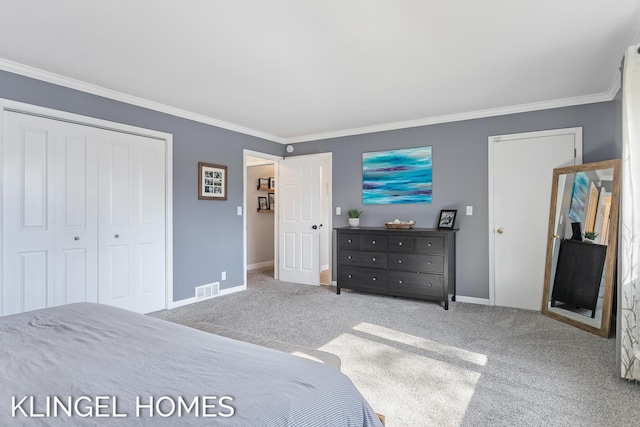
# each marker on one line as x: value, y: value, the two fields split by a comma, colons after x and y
x: 91, y: 364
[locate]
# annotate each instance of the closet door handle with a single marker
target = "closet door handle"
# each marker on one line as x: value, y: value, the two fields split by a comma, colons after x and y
x: 117, y: 236
x: 76, y: 238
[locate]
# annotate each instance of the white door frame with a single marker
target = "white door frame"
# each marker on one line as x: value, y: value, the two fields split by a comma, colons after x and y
x: 276, y: 240
x: 577, y: 131
x: 49, y: 113
x: 276, y: 162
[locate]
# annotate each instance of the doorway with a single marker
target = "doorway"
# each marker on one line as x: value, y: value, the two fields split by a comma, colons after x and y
x: 255, y: 222
x: 520, y: 172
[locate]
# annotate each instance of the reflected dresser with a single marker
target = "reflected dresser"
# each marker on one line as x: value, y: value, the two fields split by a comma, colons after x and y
x: 415, y: 263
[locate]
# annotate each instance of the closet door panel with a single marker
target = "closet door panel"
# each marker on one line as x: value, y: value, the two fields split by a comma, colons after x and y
x: 76, y: 214
x: 132, y: 223
x: 27, y: 205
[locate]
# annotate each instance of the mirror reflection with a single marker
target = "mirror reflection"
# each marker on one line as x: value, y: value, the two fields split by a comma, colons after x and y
x: 581, y: 246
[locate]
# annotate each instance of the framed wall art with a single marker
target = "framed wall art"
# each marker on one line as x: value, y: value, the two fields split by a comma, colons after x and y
x: 263, y: 205
x: 272, y: 200
x: 397, y: 176
x: 263, y: 183
x: 212, y: 182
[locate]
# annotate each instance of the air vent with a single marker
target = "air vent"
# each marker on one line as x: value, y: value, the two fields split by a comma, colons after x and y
x: 207, y: 291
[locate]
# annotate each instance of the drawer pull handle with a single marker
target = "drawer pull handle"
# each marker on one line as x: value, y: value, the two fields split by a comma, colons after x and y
x: 373, y: 259
x: 374, y: 242
x: 349, y: 257
x: 399, y: 261
x: 400, y: 281
x: 429, y: 244
x: 429, y: 284
x: 350, y: 276
x: 429, y: 263
x: 374, y: 279
x: 350, y: 240
x: 399, y: 243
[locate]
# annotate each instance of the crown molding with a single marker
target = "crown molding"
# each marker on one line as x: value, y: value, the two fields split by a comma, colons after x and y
x: 46, y: 76
x: 479, y: 114
x: 38, y: 74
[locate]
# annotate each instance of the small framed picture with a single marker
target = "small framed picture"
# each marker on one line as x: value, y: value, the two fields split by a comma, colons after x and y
x: 272, y: 201
x: 272, y: 183
x: 447, y: 219
x: 263, y: 183
x: 212, y: 182
x: 262, y: 203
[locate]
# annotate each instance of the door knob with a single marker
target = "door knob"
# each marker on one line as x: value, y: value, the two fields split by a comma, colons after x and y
x: 500, y: 230
x: 117, y: 236
x: 555, y: 236
x: 315, y: 227
x: 76, y: 238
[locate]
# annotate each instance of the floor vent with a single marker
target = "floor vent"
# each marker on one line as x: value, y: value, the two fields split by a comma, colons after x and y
x: 207, y: 291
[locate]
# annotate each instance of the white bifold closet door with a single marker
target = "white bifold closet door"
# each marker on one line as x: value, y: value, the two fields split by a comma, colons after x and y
x: 83, y: 216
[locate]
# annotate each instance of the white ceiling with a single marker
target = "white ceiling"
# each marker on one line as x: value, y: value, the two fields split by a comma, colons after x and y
x: 295, y: 70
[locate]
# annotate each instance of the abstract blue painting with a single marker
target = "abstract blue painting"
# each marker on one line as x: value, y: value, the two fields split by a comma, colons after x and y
x: 578, y: 196
x: 397, y: 176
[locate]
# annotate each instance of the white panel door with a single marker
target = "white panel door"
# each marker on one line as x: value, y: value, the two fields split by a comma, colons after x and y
x: 49, y: 212
x: 83, y: 216
x: 132, y: 222
x: 299, y: 219
x: 521, y: 174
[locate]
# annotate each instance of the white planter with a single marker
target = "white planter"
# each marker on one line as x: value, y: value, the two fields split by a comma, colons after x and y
x: 354, y: 222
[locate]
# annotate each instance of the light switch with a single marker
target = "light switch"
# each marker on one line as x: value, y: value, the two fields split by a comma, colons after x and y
x: 239, y: 210
x: 338, y: 210
x: 469, y: 210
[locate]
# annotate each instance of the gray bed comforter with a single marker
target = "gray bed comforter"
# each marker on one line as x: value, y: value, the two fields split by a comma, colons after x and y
x: 90, y: 364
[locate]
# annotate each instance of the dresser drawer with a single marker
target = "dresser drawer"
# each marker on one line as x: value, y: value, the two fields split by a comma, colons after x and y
x: 349, y: 241
x: 363, y: 259
x: 373, y: 242
x: 363, y: 278
x: 413, y: 262
x: 401, y: 244
x: 404, y: 282
x: 430, y: 245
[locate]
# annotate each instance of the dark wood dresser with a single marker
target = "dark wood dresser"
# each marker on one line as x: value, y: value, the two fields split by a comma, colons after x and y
x: 415, y: 263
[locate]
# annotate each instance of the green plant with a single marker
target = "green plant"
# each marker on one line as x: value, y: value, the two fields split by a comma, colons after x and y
x: 591, y: 235
x: 354, y: 213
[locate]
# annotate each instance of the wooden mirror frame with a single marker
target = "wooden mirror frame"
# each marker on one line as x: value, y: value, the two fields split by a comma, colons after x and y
x: 612, y: 241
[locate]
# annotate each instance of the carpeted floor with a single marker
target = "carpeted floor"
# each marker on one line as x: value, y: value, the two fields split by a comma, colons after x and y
x: 421, y: 366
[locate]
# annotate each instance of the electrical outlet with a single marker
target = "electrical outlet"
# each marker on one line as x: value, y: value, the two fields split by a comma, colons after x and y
x: 224, y: 275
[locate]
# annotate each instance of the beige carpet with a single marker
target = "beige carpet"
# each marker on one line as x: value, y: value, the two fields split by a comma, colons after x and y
x: 297, y: 350
x: 423, y: 366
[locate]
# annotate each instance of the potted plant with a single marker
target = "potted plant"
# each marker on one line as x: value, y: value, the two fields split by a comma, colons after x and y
x: 354, y: 217
x: 590, y: 236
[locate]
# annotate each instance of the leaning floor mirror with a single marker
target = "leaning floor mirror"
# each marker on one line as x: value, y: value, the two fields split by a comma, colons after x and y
x: 580, y: 269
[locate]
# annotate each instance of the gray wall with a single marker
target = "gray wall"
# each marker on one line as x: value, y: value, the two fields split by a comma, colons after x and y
x: 207, y: 234
x: 460, y: 173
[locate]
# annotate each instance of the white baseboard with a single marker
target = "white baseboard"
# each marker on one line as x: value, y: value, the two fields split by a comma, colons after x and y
x: 232, y: 290
x: 472, y: 300
x: 192, y: 300
x: 259, y: 265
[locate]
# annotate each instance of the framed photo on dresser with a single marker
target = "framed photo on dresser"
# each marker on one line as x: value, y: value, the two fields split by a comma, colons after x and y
x: 447, y: 219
